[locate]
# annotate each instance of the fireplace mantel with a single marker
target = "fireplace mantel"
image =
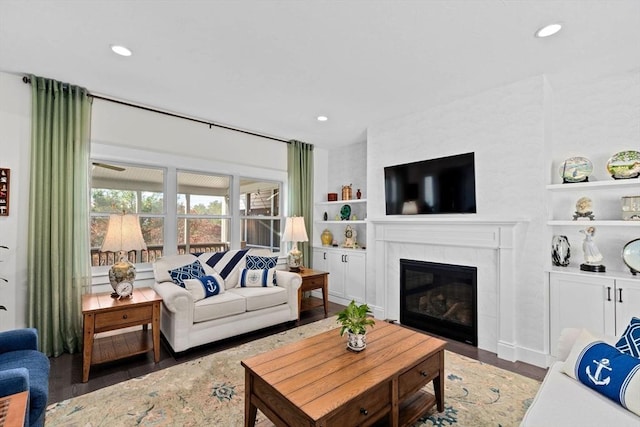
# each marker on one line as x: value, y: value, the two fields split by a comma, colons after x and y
x: 487, y: 243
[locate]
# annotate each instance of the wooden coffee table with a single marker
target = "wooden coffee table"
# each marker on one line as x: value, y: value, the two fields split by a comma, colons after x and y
x: 318, y: 382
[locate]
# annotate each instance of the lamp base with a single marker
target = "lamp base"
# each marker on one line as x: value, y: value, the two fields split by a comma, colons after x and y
x: 295, y: 269
x: 121, y: 271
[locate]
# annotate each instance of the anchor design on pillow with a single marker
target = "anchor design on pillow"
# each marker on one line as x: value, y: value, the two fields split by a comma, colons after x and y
x: 597, y: 377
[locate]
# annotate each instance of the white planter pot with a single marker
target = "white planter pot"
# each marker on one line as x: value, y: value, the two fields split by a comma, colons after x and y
x: 356, y: 342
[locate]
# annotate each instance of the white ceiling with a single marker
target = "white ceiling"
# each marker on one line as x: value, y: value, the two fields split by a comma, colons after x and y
x: 272, y: 66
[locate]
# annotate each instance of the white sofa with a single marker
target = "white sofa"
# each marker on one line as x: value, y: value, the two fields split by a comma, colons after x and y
x: 564, y: 402
x: 186, y: 323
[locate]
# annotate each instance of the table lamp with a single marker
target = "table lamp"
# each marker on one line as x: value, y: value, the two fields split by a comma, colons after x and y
x: 295, y: 231
x: 123, y: 235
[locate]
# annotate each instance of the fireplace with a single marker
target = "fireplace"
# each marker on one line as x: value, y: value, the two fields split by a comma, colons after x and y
x: 439, y: 298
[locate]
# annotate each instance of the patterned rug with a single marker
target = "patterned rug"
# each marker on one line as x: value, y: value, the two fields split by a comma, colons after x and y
x: 210, y: 392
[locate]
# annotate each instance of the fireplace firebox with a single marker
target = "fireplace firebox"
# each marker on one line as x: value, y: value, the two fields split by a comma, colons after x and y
x: 439, y: 298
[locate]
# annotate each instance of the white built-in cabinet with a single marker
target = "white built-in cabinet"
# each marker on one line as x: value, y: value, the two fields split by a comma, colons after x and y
x: 346, y: 266
x: 346, y: 269
x: 602, y: 304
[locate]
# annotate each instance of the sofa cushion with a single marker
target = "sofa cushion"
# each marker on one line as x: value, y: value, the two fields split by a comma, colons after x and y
x: 629, y: 342
x: 205, y: 286
x: 256, y: 278
x: 259, y: 298
x: 222, y: 305
x: 189, y: 271
x: 606, y: 370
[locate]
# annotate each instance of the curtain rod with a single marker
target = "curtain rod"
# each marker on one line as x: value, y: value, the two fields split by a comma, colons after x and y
x: 27, y: 80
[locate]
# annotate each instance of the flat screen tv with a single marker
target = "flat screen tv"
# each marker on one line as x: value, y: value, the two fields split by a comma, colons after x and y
x: 445, y: 185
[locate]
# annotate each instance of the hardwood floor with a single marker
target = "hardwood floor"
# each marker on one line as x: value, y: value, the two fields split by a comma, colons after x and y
x: 65, y: 380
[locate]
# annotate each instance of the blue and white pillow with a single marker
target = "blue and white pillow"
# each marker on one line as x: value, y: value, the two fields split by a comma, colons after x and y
x: 189, y: 271
x: 227, y: 264
x: 205, y: 286
x: 256, y: 278
x: 255, y: 262
x: 629, y: 342
x: 605, y: 369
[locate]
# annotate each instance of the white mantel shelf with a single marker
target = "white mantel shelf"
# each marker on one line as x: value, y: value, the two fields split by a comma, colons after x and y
x: 446, y: 220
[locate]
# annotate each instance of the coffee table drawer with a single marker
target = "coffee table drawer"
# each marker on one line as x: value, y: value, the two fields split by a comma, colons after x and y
x: 418, y: 376
x: 364, y: 409
x: 119, y: 318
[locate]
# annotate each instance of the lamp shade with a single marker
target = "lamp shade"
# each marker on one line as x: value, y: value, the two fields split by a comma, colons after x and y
x: 123, y: 234
x: 294, y: 230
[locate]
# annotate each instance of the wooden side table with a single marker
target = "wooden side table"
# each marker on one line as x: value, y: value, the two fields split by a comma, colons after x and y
x: 103, y: 313
x: 313, y: 279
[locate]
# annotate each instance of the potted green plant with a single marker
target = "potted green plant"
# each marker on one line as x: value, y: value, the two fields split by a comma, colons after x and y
x: 354, y: 320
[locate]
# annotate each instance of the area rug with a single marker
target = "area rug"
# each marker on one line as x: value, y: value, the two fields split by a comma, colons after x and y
x: 210, y: 392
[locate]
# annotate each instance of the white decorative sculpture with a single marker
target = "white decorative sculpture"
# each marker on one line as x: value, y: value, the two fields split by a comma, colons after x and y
x: 592, y: 256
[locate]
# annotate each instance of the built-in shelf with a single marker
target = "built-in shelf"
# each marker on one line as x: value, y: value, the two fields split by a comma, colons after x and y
x: 358, y: 221
x: 594, y: 185
x: 608, y: 223
x: 343, y: 202
x: 609, y: 274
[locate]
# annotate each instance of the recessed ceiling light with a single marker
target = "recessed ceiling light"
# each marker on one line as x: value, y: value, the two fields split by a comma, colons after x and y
x: 548, y: 30
x: 120, y: 50
x: 322, y: 118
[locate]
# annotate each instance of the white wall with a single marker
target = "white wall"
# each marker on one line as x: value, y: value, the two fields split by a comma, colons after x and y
x: 15, y: 134
x: 118, y: 133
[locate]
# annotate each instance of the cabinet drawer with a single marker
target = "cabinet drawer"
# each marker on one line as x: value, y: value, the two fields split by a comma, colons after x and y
x: 126, y: 316
x: 313, y: 283
x: 364, y: 409
x: 418, y: 376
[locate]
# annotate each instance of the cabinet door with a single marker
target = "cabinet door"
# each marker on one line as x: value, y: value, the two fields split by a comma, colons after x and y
x: 355, y: 276
x: 579, y: 302
x: 320, y: 260
x: 336, y: 269
x: 627, y: 299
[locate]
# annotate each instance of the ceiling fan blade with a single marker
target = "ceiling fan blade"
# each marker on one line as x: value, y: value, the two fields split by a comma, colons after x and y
x: 107, y: 166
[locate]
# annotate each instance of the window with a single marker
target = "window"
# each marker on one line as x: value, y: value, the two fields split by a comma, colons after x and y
x: 140, y: 190
x: 203, y: 212
x: 260, y: 214
x: 184, y: 211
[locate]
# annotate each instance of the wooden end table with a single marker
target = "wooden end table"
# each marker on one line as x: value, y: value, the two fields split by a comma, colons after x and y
x: 318, y: 382
x: 102, y: 313
x: 311, y: 280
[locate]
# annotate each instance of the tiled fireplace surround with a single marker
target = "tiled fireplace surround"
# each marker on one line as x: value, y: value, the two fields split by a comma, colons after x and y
x: 485, y: 244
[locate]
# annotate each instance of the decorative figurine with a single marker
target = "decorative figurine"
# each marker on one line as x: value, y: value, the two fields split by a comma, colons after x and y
x: 584, y: 211
x: 350, y: 237
x: 592, y: 256
x: 560, y: 251
x: 346, y: 192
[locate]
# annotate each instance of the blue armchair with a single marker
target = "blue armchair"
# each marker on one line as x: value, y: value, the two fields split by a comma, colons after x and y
x: 24, y: 368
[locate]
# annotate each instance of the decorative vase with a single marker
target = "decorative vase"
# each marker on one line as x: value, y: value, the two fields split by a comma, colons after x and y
x: 326, y: 237
x: 560, y: 250
x: 356, y: 342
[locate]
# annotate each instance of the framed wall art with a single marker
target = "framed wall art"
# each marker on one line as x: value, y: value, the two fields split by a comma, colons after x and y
x: 5, y: 178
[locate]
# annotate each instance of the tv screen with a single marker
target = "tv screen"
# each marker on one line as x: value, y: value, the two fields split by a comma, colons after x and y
x: 436, y: 186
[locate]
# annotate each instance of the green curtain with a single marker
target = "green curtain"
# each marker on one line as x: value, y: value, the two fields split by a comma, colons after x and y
x: 300, y: 185
x: 58, y: 264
